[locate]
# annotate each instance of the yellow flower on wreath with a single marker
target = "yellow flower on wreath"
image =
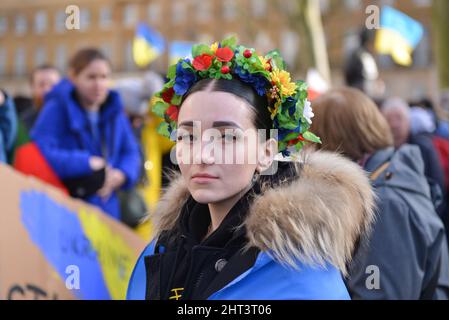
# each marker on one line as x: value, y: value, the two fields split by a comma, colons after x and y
x: 214, y: 47
x: 282, y: 79
x: 264, y: 62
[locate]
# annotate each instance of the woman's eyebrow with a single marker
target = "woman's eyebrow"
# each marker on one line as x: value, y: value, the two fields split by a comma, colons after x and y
x: 186, y: 124
x: 219, y: 124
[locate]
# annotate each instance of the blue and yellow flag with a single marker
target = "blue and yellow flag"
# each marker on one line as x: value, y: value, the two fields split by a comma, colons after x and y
x: 398, y: 35
x: 179, y: 50
x: 148, y: 44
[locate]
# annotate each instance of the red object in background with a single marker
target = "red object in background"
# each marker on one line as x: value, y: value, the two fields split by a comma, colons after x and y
x: 312, y: 94
x: 30, y: 161
x: 442, y: 146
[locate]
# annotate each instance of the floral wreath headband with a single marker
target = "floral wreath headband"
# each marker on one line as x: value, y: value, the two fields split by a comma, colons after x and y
x: 290, y: 110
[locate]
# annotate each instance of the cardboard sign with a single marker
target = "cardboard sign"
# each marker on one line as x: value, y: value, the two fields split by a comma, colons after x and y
x: 55, y: 247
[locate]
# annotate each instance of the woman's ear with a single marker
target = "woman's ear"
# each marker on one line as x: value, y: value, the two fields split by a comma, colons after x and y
x: 268, y: 151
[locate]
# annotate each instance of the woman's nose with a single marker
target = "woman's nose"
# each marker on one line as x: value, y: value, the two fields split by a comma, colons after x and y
x: 203, y: 153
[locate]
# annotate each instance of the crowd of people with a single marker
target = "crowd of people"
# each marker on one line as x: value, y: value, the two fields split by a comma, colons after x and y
x: 100, y: 145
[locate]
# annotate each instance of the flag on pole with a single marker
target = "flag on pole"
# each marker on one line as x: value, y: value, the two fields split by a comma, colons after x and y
x: 148, y: 44
x: 398, y: 35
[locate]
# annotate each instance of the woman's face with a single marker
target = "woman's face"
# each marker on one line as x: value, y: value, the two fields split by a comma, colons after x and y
x: 217, y: 149
x: 92, y: 82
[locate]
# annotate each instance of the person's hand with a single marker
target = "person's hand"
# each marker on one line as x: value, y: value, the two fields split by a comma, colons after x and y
x: 96, y: 163
x: 114, y: 180
x: 2, y: 98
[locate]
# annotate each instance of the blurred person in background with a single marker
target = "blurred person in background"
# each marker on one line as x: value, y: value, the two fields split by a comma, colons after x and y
x: 361, y: 69
x: 397, y: 113
x: 42, y: 80
x: 8, y: 126
x: 85, y: 135
x: 408, y: 242
x: 424, y: 121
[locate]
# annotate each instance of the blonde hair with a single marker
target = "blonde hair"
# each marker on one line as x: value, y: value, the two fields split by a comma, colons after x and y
x: 349, y: 122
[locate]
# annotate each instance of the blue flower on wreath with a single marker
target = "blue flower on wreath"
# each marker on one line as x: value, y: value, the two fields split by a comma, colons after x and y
x: 185, y: 78
x: 258, y: 82
x: 283, y: 132
x: 290, y: 106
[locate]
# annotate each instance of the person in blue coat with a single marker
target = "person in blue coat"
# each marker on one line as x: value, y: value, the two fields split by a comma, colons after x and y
x: 83, y: 131
x: 260, y: 227
x: 8, y: 126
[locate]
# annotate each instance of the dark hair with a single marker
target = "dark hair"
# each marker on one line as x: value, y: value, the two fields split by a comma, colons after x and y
x: 259, y: 104
x: 43, y: 67
x: 82, y: 58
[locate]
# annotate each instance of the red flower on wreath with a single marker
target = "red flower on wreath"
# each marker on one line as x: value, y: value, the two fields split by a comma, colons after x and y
x: 224, y: 54
x: 295, y: 141
x: 202, y: 62
x: 172, y: 112
x: 168, y: 94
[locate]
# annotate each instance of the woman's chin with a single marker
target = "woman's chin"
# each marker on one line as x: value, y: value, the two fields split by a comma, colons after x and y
x: 204, y: 196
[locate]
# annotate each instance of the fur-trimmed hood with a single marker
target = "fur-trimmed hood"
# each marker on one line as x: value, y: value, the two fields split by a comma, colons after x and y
x: 316, y: 219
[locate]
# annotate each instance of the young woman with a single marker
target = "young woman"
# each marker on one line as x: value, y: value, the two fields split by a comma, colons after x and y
x: 85, y: 136
x: 223, y: 229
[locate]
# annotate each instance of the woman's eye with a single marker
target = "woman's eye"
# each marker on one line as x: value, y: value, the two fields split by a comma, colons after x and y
x: 229, y: 138
x: 186, y: 138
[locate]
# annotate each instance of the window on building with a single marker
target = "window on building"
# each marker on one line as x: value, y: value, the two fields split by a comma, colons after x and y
x: 61, y: 57
x: 422, y: 3
x: 289, y: 46
x: 21, y: 24
x: 3, y: 25
x: 2, y: 61
x: 422, y: 56
x: 229, y: 10
x: 154, y: 13
x: 40, y: 22
x: 203, y: 10
x: 129, y: 61
x: 387, y: 2
x: 20, y: 61
x: 178, y: 12
x: 105, y: 17
x: 259, y: 8
x: 130, y: 15
x: 106, y: 48
x: 60, y: 21
x: 84, y: 19
x: 325, y: 6
x: 40, y: 56
x: 353, y: 5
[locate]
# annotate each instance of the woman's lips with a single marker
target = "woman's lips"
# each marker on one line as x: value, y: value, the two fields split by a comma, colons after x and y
x: 203, y: 178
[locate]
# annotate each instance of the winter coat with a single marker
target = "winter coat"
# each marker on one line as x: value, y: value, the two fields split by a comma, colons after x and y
x: 302, y: 234
x: 408, y: 244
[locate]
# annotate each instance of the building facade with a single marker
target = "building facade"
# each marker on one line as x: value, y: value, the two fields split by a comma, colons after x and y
x: 35, y: 32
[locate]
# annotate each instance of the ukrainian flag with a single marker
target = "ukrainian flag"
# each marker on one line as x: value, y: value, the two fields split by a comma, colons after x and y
x: 180, y: 50
x: 398, y: 35
x: 148, y: 44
